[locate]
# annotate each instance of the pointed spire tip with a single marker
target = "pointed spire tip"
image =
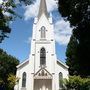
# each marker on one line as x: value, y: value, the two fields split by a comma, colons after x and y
x: 43, y: 9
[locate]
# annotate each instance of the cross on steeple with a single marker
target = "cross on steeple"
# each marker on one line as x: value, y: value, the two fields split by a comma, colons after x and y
x: 43, y: 9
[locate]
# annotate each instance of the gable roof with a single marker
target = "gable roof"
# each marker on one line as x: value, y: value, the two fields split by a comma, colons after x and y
x: 63, y: 64
x: 27, y: 61
x: 42, y: 74
x: 42, y: 69
x: 23, y: 63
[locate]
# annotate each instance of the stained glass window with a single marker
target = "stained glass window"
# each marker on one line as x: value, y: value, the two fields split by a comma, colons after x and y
x: 60, y: 80
x: 24, y: 79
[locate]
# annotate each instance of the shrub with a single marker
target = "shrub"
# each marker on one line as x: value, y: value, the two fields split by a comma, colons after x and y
x: 77, y: 83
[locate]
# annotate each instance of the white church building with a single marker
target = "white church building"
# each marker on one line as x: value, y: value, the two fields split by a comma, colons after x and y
x: 42, y: 70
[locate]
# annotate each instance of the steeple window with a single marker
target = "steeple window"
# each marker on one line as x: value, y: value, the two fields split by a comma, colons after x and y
x: 42, y: 57
x: 43, y: 32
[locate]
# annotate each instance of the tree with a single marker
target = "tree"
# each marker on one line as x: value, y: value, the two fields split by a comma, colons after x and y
x: 8, y: 6
x: 4, y: 19
x: 8, y: 65
x: 78, y: 13
x: 71, y: 54
x: 77, y: 83
x: 12, y: 80
x: 27, y: 2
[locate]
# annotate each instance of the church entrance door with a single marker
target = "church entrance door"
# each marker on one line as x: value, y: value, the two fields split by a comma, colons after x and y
x: 42, y: 84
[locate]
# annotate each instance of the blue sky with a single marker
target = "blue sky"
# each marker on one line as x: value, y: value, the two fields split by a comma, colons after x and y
x: 18, y: 43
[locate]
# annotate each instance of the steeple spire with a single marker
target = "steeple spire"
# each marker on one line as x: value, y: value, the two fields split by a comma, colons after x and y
x: 43, y: 9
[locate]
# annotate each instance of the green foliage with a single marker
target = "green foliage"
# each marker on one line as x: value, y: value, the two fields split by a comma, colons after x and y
x: 78, y: 49
x: 1, y: 81
x: 12, y: 80
x: 77, y: 83
x: 8, y: 6
x: 74, y: 10
x: 8, y: 65
x: 27, y: 2
x: 71, y: 54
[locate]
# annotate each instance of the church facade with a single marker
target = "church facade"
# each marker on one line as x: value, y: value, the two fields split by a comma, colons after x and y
x: 42, y: 70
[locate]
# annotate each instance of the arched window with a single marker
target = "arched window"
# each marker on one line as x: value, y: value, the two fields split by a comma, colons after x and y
x: 24, y: 79
x: 43, y: 32
x: 42, y: 57
x: 60, y: 80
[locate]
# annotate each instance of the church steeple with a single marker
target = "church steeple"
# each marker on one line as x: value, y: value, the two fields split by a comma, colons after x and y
x: 43, y: 9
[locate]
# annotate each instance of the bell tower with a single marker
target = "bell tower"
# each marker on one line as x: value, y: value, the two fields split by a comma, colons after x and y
x: 43, y: 42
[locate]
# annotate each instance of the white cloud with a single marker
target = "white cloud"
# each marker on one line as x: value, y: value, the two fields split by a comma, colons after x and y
x: 32, y: 10
x: 17, y: 2
x: 1, y: 1
x: 51, y: 5
x: 6, y: 13
x: 29, y: 40
x: 62, y: 28
x: 4, y: 7
x: 62, y: 32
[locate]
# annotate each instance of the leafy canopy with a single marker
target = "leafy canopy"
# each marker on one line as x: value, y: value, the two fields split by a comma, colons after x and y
x: 77, y: 83
x: 77, y: 12
x: 7, y: 14
x: 8, y: 65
